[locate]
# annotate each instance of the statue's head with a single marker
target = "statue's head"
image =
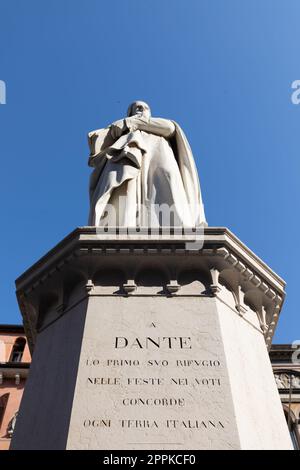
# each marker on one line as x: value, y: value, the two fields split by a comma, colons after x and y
x: 139, y: 108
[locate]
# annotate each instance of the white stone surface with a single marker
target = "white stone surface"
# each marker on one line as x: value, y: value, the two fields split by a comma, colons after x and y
x: 44, y: 415
x: 201, y: 395
x: 74, y: 304
x: 259, y: 414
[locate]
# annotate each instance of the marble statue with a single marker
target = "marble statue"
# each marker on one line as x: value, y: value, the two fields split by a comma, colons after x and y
x: 144, y: 173
x: 11, y: 425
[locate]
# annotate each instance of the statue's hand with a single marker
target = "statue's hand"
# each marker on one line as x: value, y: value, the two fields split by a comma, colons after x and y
x: 134, y: 122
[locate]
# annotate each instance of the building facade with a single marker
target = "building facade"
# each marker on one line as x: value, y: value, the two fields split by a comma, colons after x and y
x: 285, y: 359
x: 15, y: 361
x: 14, y: 366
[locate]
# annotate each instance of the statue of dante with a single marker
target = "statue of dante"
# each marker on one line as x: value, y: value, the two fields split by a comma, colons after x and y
x: 143, y: 167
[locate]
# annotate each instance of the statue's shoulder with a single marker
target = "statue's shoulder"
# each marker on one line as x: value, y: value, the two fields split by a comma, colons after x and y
x: 160, y: 119
x: 98, y: 132
x: 99, y: 139
x: 165, y: 126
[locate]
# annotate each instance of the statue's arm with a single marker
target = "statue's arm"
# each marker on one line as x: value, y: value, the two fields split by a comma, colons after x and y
x: 118, y: 128
x: 97, y: 141
x: 101, y: 139
x: 158, y: 126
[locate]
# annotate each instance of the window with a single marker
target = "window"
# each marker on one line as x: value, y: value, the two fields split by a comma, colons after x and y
x: 3, y: 403
x: 17, y: 350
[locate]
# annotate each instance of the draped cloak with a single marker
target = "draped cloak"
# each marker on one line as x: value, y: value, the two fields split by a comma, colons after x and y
x: 140, y: 174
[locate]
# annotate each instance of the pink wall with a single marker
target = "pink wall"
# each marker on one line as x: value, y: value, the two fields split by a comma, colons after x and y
x: 15, y: 395
x: 9, y: 386
x: 9, y: 339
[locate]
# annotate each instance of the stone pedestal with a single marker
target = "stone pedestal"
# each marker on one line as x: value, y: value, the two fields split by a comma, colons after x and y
x: 150, y: 342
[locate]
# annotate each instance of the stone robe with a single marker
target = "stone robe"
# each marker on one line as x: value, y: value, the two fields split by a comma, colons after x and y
x: 143, y: 173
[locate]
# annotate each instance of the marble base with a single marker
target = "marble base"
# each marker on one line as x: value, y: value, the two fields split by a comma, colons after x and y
x: 150, y: 345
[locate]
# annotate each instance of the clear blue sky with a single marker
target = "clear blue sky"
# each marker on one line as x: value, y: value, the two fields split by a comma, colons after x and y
x: 222, y: 69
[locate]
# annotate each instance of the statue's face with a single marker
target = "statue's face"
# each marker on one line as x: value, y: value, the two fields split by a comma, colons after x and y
x: 139, y: 108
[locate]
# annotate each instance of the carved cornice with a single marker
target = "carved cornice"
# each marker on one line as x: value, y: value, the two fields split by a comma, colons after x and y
x: 219, y: 261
